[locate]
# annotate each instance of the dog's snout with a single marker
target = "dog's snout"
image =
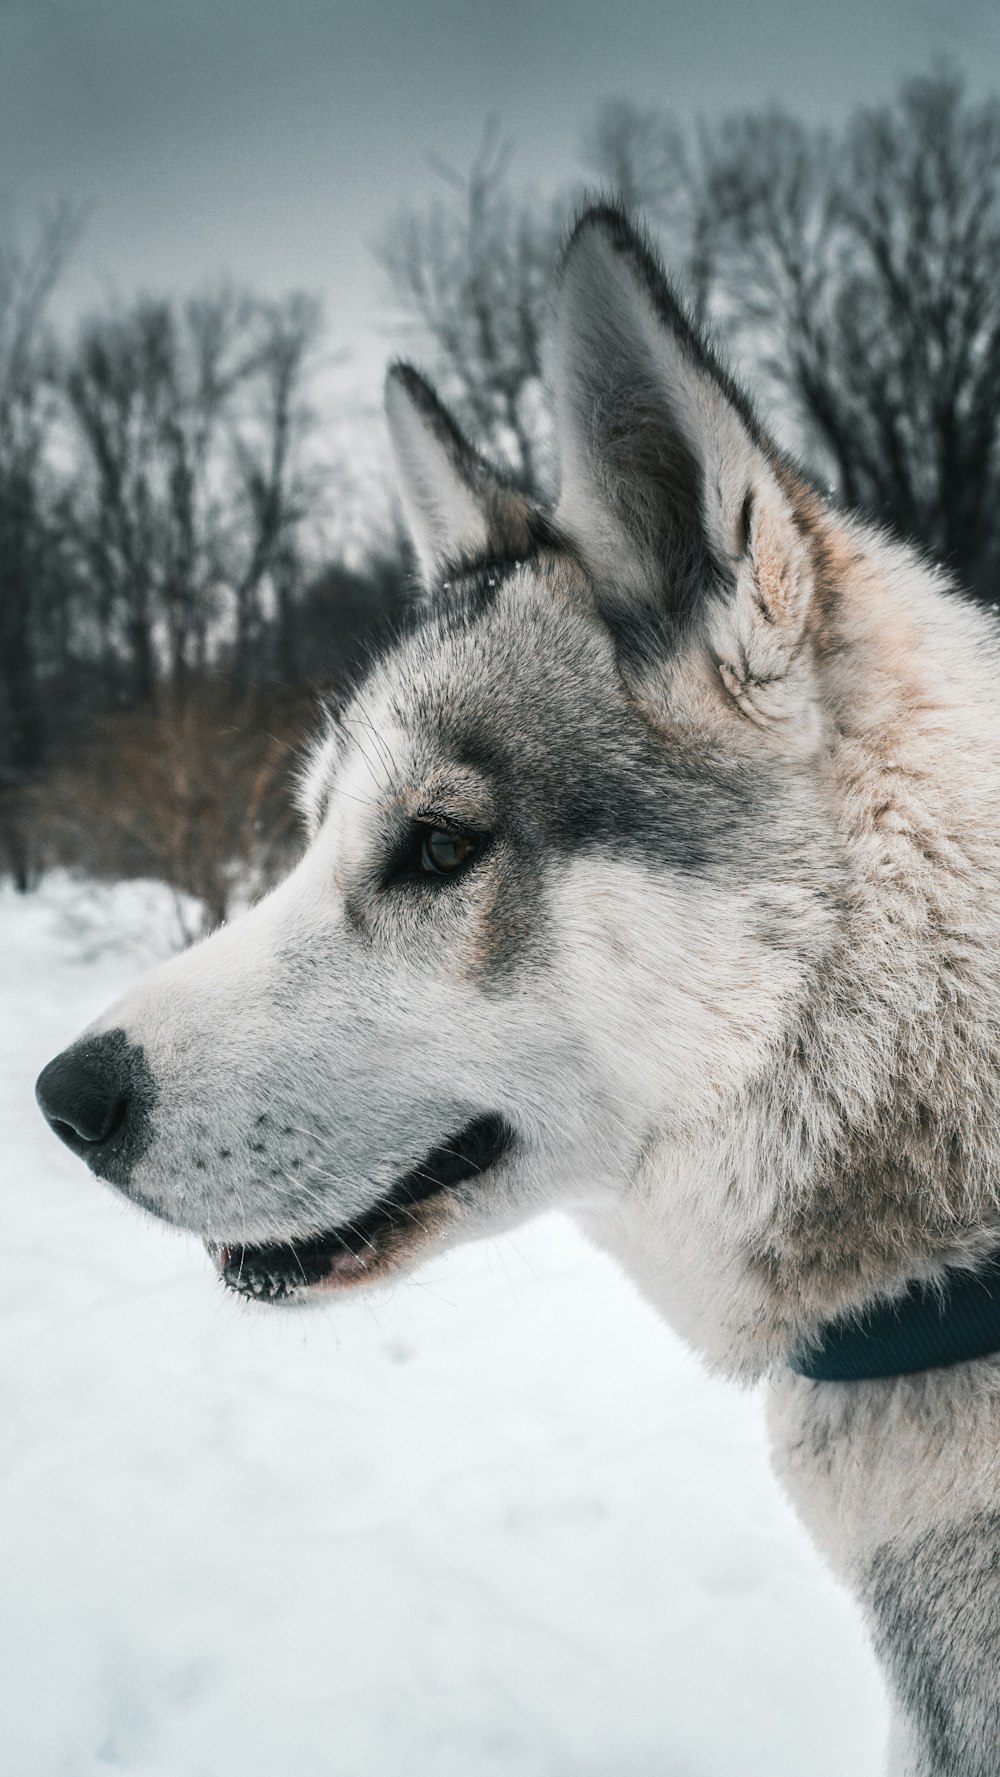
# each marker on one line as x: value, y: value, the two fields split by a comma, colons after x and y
x: 83, y: 1092
x: 97, y: 1096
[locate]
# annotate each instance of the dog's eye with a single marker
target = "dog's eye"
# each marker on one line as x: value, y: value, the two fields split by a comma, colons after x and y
x: 434, y: 847
x: 442, y: 853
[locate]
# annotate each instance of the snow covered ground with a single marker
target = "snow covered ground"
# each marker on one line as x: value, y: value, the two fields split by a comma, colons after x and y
x: 496, y: 1521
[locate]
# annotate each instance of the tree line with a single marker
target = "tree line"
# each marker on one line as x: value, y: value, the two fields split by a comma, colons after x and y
x: 164, y: 595
x: 166, y: 598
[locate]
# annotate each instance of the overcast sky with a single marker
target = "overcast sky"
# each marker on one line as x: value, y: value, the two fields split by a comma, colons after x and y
x: 267, y: 138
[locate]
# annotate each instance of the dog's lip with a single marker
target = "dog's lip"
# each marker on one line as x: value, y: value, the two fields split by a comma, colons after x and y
x: 372, y: 1243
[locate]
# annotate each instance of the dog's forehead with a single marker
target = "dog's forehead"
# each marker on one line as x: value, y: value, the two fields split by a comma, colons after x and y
x: 479, y: 675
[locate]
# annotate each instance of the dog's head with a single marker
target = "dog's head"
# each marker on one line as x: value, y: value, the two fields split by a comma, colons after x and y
x: 565, y: 876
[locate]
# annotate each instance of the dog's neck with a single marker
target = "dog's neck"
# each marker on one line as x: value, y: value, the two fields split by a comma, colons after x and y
x: 865, y: 1152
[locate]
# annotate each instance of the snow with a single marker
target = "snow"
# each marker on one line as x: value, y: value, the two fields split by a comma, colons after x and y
x: 493, y: 1521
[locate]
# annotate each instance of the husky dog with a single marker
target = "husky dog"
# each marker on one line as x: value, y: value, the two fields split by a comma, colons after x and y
x: 655, y: 875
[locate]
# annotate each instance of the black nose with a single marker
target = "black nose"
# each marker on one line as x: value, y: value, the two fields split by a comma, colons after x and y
x: 82, y: 1092
x: 98, y: 1097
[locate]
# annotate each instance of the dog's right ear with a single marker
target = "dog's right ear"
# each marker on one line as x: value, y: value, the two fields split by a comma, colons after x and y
x: 458, y: 508
x: 660, y: 450
x: 673, y: 495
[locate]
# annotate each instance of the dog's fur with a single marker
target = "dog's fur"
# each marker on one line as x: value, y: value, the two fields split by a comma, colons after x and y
x: 727, y: 962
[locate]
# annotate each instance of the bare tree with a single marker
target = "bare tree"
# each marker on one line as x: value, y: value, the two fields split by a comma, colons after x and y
x: 901, y: 374
x: 148, y: 392
x: 278, y: 491
x: 31, y: 580
x: 191, y: 422
x: 471, y: 276
x: 860, y: 274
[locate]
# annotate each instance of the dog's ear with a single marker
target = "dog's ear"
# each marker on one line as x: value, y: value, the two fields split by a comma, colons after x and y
x: 458, y: 508
x: 671, y: 492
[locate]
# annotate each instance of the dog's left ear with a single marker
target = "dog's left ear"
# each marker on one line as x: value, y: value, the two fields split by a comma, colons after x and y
x: 672, y: 493
x: 458, y: 508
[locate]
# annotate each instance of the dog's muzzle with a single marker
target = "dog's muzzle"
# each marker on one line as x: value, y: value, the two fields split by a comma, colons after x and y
x: 374, y: 1242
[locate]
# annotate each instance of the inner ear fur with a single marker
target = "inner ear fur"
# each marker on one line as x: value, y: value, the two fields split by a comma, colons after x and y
x: 672, y: 493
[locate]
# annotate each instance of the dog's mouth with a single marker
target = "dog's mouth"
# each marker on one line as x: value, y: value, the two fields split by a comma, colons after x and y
x: 373, y: 1243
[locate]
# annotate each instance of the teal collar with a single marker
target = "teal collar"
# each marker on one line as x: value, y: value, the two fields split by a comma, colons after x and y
x: 931, y: 1325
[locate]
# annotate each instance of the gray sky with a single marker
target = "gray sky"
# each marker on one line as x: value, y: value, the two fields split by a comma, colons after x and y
x: 267, y: 138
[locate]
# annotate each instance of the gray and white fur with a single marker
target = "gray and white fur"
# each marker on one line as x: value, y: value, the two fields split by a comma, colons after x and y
x: 721, y: 958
